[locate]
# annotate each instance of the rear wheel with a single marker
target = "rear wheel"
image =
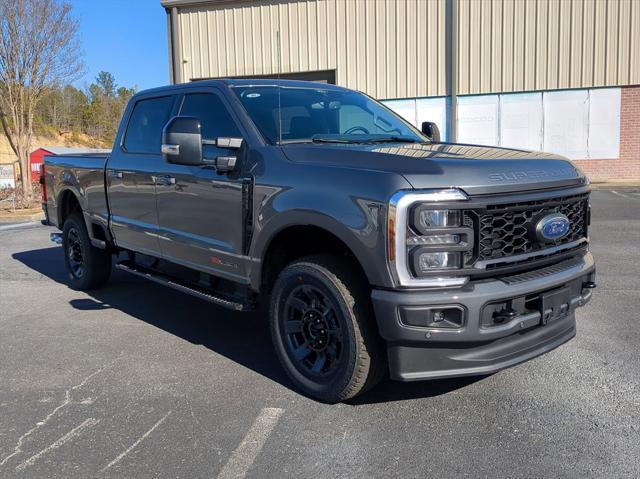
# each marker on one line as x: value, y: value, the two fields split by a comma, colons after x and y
x: 323, y: 329
x: 88, y: 267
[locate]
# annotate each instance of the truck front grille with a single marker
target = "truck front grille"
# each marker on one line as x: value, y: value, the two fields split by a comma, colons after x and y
x: 505, y: 230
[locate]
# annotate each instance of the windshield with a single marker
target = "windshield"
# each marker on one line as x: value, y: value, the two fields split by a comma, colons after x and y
x: 308, y: 115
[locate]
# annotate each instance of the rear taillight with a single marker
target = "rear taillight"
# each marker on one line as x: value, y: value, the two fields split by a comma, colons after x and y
x: 43, y: 184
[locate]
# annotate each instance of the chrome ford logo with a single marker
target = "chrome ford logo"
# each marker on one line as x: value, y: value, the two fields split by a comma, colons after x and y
x: 552, y: 227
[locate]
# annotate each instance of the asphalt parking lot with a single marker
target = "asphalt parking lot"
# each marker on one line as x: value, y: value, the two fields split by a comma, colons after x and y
x: 136, y: 380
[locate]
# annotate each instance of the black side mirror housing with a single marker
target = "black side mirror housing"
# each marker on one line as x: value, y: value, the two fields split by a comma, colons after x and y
x: 182, y: 141
x: 431, y: 131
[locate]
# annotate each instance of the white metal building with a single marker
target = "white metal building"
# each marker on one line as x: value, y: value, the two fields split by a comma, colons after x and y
x: 557, y: 75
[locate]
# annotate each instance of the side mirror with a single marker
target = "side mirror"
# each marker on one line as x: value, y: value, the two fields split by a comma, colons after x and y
x: 182, y: 141
x: 431, y: 131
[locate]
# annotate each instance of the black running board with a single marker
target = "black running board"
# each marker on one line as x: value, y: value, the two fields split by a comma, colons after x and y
x: 192, y: 290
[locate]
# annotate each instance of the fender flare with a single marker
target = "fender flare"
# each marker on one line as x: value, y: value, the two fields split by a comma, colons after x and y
x: 295, y: 218
x: 61, y: 201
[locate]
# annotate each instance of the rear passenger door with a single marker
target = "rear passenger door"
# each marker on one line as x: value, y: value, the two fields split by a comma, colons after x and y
x: 130, y: 175
x: 200, y: 212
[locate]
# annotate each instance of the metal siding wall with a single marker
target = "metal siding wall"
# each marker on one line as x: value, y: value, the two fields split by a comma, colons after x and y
x: 524, y: 45
x: 396, y: 48
x: 386, y: 48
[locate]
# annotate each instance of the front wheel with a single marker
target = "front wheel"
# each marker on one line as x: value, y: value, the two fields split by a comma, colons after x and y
x: 323, y: 329
x: 88, y: 267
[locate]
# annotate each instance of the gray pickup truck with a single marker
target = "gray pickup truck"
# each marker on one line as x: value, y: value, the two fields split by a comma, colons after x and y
x: 379, y: 248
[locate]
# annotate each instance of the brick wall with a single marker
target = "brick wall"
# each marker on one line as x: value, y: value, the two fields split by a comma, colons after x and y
x: 627, y: 166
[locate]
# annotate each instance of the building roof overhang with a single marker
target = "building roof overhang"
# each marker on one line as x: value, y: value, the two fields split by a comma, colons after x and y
x: 192, y: 3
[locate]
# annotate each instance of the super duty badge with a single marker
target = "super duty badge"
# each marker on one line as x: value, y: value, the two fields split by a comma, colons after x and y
x: 524, y: 175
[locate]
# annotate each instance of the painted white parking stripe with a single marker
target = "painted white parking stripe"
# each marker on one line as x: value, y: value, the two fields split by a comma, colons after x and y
x: 242, y: 458
x: 135, y: 444
x: 17, y: 225
x: 621, y: 195
x: 75, y: 432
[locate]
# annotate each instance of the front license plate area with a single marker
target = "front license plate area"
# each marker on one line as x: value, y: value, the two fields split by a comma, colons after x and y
x: 555, y: 305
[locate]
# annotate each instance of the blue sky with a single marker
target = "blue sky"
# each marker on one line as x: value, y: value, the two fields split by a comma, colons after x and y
x: 125, y: 37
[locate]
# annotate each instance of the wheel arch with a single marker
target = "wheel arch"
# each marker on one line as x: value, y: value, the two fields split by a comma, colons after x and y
x: 68, y: 203
x: 292, y: 240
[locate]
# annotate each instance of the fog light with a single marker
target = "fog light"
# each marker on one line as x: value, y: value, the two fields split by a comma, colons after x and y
x: 427, y: 261
x: 441, y: 317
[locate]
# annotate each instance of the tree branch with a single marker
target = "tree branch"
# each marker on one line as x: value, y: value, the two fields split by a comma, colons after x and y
x: 5, y: 128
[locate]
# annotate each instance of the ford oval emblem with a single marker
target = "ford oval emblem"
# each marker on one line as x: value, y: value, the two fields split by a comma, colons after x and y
x: 552, y: 227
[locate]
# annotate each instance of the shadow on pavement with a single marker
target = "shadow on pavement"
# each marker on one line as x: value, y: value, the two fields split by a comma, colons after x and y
x: 390, y: 391
x: 241, y: 337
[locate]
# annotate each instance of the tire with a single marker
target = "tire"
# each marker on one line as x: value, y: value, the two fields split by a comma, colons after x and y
x: 88, y: 267
x: 323, y: 329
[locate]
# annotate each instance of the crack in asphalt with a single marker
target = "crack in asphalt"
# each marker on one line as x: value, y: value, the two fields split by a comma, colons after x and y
x: 67, y: 400
x: 75, y: 432
x: 136, y: 443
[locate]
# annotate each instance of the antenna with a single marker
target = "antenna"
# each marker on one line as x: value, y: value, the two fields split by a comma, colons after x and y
x: 279, y: 88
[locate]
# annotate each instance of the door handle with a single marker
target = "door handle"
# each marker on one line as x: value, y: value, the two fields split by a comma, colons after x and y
x: 115, y: 174
x: 164, y: 180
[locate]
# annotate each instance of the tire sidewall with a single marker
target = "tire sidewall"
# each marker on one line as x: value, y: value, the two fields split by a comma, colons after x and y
x: 307, y: 273
x: 90, y: 261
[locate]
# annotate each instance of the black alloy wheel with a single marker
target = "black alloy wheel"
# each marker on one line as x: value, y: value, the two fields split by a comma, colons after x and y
x: 75, y: 256
x: 88, y: 267
x: 323, y: 328
x: 313, y: 333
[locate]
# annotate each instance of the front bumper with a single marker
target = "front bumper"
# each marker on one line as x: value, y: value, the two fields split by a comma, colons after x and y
x: 478, y: 347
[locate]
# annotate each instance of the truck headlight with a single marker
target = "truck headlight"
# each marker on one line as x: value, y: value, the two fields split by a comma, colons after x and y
x: 427, y: 237
x: 424, y: 219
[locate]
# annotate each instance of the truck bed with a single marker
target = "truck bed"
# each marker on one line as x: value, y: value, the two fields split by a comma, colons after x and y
x: 79, y: 173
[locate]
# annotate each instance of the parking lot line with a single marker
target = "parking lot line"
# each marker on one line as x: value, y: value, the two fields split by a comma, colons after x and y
x: 622, y: 195
x: 135, y: 444
x: 75, y: 432
x: 242, y: 458
x: 17, y: 225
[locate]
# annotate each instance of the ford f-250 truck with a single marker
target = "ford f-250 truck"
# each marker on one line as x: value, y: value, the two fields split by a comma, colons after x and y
x: 381, y: 249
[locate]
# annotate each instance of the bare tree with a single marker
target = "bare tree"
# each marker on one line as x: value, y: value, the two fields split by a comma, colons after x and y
x: 39, y: 47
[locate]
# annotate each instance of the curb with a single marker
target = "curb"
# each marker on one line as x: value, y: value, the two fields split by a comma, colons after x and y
x: 601, y: 185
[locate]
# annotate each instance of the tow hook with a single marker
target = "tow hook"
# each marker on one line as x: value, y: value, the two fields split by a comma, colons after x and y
x: 56, y: 238
x: 504, y: 315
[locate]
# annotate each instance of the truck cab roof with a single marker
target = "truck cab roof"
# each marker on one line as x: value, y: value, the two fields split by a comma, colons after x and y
x: 237, y: 82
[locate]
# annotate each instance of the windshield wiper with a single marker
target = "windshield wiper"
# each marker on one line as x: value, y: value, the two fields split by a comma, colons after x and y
x: 318, y: 139
x: 360, y: 140
x: 294, y: 142
x: 324, y: 139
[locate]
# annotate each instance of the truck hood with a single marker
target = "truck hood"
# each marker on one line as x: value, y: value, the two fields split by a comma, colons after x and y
x: 475, y: 169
